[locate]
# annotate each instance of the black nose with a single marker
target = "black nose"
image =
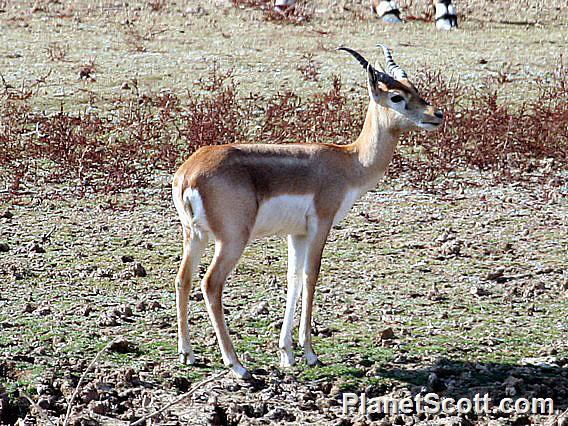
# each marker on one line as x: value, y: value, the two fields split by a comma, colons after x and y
x: 439, y: 114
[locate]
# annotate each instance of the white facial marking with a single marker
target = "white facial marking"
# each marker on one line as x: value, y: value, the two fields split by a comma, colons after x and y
x: 283, y: 215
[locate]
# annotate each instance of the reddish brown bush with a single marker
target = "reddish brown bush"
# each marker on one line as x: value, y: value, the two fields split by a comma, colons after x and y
x: 148, y: 132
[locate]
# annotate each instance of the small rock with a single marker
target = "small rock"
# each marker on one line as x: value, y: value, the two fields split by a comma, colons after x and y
x: 4, y: 248
x: 98, y: 407
x: 496, y: 274
x: 451, y: 248
x: 182, y: 383
x: 387, y: 334
x: 126, y: 258
x: 277, y: 414
x: 125, y: 86
x: 261, y: 309
x: 29, y: 308
x: 139, y: 270
x: 123, y: 346
x: 141, y: 306
x: 42, y: 312
x: 154, y: 305
x: 478, y: 291
x: 7, y: 214
x: 435, y: 383
x: 35, y: 247
x: 43, y: 402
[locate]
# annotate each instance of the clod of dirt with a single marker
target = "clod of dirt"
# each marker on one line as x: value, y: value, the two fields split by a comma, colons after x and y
x: 126, y: 258
x: 435, y: 383
x: 496, y: 274
x: 261, y: 309
x: 182, y: 383
x: 29, y: 308
x: 478, y: 291
x: 154, y: 305
x: 387, y: 334
x: 4, y: 248
x: 123, y: 346
x: 35, y: 247
x: 43, y: 312
x: 126, y: 311
x: 451, y: 248
x: 7, y: 214
x: 139, y: 270
x: 512, y: 385
x: 98, y: 407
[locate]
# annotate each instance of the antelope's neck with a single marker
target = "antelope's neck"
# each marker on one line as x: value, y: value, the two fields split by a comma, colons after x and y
x: 374, y: 148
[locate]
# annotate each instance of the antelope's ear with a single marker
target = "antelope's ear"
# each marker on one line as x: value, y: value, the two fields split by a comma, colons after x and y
x: 374, y: 80
x: 379, y: 67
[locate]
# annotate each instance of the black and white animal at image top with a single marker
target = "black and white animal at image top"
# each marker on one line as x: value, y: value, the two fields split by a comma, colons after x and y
x: 234, y: 194
x: 445, y: 14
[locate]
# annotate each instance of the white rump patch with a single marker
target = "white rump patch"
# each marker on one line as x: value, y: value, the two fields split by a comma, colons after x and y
x: 191, y: 211
x: 283, y: 215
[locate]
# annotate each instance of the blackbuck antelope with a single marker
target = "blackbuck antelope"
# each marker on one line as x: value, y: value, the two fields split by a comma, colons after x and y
x: 284, y: 6
x: 237, y: 193
x: 445, y: 14
x: 387, y: 10
x: 445, y: 17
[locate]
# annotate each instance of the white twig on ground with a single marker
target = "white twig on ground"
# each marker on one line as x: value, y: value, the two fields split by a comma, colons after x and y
x: 558, y: 416
x: 95, y: 359
x: 143, y: 419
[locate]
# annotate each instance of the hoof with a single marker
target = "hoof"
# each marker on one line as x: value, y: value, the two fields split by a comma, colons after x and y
x: 187, y: 359
x: 287, y: 360
x: 313, y: 361
x: 241, y: 372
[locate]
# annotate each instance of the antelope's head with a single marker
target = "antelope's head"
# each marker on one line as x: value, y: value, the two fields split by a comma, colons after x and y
x: 390, y: 88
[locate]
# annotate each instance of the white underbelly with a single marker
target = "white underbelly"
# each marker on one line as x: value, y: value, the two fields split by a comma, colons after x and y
x: 283, y: 215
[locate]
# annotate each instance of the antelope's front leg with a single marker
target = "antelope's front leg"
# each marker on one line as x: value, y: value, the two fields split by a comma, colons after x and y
x: 192, y: 250
x: 296, y: 258
x: 311, y: 272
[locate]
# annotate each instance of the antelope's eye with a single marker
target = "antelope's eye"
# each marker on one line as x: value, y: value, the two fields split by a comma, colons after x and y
x: 396, y: 99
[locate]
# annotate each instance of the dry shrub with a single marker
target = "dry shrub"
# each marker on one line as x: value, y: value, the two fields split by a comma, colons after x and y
x: 323, y: 117
x: 309, y: 70
x: 56, y: 52
x: 486, y: 133
x: 300, y: 14
x: 122, y: 148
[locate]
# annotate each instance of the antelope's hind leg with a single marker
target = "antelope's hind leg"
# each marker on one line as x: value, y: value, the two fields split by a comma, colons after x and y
x: 193, y: 247
x: 227, y: 254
